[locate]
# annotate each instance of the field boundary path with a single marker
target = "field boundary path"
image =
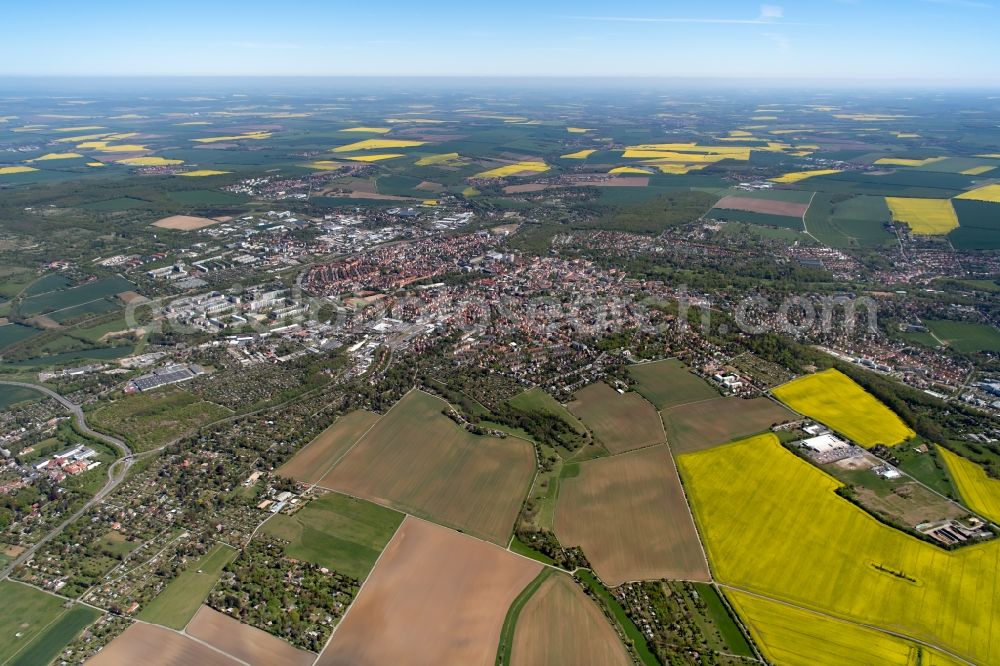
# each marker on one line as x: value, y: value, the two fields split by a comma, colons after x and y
x: 116, y: 471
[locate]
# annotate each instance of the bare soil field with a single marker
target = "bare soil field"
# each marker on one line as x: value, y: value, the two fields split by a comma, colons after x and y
x: 256, y: 647
x: 317, y: 457
x: 184, y: 222
x: 702, y: 425
x: 619, y: 422
x: 150, y: 645
x: 630, y: 516
x: 417, y: 460
x: 766, y: 206
x: 435, y: 597
x: 560, y: 624
x: 428, y: 186
x: 131, y: 296
x: 526, y: 187
x: 621, y: 181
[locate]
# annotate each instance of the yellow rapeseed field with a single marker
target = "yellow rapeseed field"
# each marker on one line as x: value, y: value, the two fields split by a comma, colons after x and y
x: 5, y: 170
x: 925, y: 216
x: 625, y: 169
x: 511, y: 169
x: 104, y: 147
x: 773, y: 524
x: 82, y: 137
x: 373, y: 158
x: 149, y: 161
x: 377, y: 144
x: 673, y: 156
x: 441, y: 159
x: 579, y: 155
x: 95, y: 164
x: 907, y: 135
x: 796, y: 176
x: 56, y: 156
x: 833, y: 399
x: 980, y: 492
x: 995, y: 156
x: 257, y: 136
x: 978, y: 171
x: 902, y: 161
x: 579, y: 130
x: 367, y: 130
x: 989, y: 193
x: 794, y: 637
x: 87, y: 128
x: 200, y: 173
x: 325, y: 165
x: 674, y: 169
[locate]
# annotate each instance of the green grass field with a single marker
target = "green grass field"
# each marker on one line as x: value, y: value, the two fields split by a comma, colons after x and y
x: 179, y: 601
x: 964, y: 336
x: 57, y: 300
x: 337, y: 532
x: 669, y: 383
x: 24, y: 615
x: 50, y: 643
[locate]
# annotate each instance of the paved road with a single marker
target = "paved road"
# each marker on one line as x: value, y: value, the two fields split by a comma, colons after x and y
x: 116, y: 471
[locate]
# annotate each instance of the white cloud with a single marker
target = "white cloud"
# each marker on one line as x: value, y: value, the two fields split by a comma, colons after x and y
x: 771, y: 12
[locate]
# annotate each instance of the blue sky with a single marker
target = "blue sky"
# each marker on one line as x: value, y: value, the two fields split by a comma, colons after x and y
x: 910, y: 40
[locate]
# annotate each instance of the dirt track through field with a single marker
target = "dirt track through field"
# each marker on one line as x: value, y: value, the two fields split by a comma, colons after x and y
x: 253, y: 646
x: 318, y: 456
x: 435, y: 597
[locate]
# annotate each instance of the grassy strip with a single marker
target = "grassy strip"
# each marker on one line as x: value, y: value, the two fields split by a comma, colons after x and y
x: 635, y: 638
x: 51, y: 642
x: 721, y: 614
x: 514, y: 612
x: 521, y: 548
x: 179, y: 601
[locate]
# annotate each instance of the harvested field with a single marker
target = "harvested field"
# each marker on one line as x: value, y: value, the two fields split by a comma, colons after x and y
x: 670, y: 383
x: 621, y: 181
x: 317, y: 457
x: 629, y: 514
x: 773, y: 524
x: 150, y: 645
x: 184, y: 222
x: 256, y: 647
x: 619, y: 422
x: 766, y: 206
x: 701, y: 425
x: 435, y: 597
x: 417, y: 460
x: 560, y: 624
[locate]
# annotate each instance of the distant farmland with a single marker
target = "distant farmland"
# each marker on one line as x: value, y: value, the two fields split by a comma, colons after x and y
x: 699, y: 425
x: 629, y: 514
x: 619, y: 422
x: 66, y: 298
x: 419, y: 461
x: 670, y: 383
x: 436, y: 597
x: 560, y: 624
x: 773, y: 525
x: 318, y: 456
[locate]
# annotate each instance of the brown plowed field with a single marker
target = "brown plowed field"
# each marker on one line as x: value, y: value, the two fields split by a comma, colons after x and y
x: 435, y: 597
x: 318, y: 456
x: 562, y: 625
x: 629, y: 514
x: 417, y: 460
x: 766, y: 206
x: 150, y: 645
x: 702, y: 425
x: 620, y: 422
x: 256, y: 647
